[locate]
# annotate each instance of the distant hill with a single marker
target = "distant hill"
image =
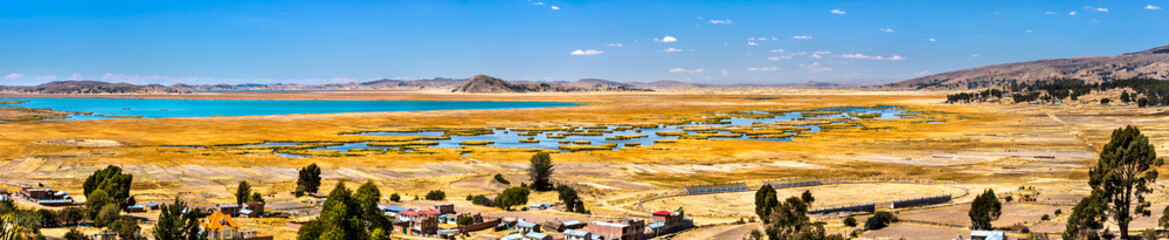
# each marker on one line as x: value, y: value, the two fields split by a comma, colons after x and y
x: 1152, y: 63
x: 488, y: 84
x: 88, y: 87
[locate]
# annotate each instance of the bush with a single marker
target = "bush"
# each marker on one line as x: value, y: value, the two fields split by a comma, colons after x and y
x: 880, y: 220
x: 850, y: 221
x: 395, y: 197
x: 436, y: 195
x: 1044, y: 218
x: 499, y: 178
x: 1058, y: 212
x: 482, y: 201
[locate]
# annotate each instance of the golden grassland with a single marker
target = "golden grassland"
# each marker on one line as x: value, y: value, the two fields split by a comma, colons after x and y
x: 1048, y: 146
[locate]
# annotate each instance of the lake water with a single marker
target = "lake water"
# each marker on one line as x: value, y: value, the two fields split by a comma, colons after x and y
x: 507, y: 138
x: 164, y: 108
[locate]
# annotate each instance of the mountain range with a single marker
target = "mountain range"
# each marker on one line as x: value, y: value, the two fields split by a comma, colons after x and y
x: 1152, y: 63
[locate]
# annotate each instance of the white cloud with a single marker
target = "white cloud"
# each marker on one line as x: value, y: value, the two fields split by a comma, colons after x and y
x: 1027, y: 31
x: 47, y: 78
x: 579, y: 52
x: 724, y: 73
x: 802, y: 37
x: 666, y: 39
x: 1098, y: 9
x: 862, y: 56
x: 75, y: 76
x: 923, y: 72
x: 888, y: 30
x: 822, y: 52
x: 683, y: 70
x: 672, y: 50
x: 973, y: 55
x: 777, y: 51
x: 1073, y: 13
x: 816, y: 67
x: 772, y: 68
x: 762, y: 39
x: 1049, y: 12
x: 555, y: 7
x: 14, y: 76
x: 536, y: 3
x: 777, y: 58
x: 716, y: 21
x: 750, y: 43
x: 816, y: 56
x: 931, y: 40
x: 613, y: 45
x: 1153, y: 7
x: 837, y: 11
x: 699, y: 17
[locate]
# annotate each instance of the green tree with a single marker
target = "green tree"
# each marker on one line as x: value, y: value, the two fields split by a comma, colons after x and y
x: 107, y: 215
x: 466, y: 220
x: 540, y: 171
x: 985, y: 209
x: 177, y: 222
x: 71, y: 215
x: 850, y: 221
x: 309, y: 179
x: 367, y: 198
x: 499, y: 178
x: 789, y: 220
x: 765, y: 202
x: 436, y: 195
x: 395, y: 197
x: 112, y: 181
x: 1087, y: 217
x: 880, y: 220
x: 256, y: 197
x: 243, y: 192
x: 74, y: 234
x: 513, y: 196
x: 568, y: 196
x: 1163, y: 222
x: 808, y: 198
x: 1127, y: 166
x: 126, y: 227
x: 95, y: 201
x: 348, y: 215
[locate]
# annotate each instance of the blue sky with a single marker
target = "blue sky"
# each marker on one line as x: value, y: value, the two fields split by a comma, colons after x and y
x: 721, y: 42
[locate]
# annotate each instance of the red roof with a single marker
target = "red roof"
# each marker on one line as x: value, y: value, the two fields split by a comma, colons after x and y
x: 431, y: 212
x: 661, y: 213
x: 410, y: 212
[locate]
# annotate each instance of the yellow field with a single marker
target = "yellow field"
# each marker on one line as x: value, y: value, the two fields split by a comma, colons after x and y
x: 742, y: 204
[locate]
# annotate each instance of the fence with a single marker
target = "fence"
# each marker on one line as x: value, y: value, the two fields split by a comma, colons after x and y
x: 717, y: 188
x: 921, y: 201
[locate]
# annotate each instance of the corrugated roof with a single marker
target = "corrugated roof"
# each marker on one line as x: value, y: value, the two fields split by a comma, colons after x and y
x: 218, y: 220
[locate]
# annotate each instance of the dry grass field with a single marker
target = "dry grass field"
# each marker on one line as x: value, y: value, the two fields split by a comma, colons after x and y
x: 1004, y: 146
x: 742, y: 204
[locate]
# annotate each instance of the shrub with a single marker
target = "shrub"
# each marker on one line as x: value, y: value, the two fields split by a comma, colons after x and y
x: 1044, y: 218
x: 395, y: 197
x: 880, y: 220
x: 436, y: 195
x: 850, y: 221
x: 499, y: 178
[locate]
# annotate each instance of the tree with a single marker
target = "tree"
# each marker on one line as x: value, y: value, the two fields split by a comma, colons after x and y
x: 1126, y: 168
x: 482, y: 201
x: 243, y: 192
x: 1163, y: 222
x: 348, y: 215
x: 789, y: 220
x: 48, y: 218
x: 436, y: 195
x: 309, y: 179
x: 568, y: 196
x: 111, y: 180
x: 256, y: 197
x: 513, y: 196
x: 765, y: 202
x: 1105, y: 101
x: 499, y: 178
x: 107, y: 215
x: 466, y: 220
x: 95, y: 201
x: 850, y: 221
x: 1087, y: 217
x: 540, y: 171
x: 74, y: 234
x: 985, y: 209
x: 71, y: 215
x: 395, y: 197
x: 126, y: 227
x: 880, y: 220
x: 177, y: 222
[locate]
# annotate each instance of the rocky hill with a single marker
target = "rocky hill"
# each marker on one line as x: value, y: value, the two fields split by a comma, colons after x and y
x: 488, y: 84
x: 1152, y: 63
x: 88, y: 87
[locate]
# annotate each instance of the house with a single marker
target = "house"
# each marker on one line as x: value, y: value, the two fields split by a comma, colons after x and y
x: 513, y: 236
x: 572, y: 224
x: 445, y: 208
x: 46, y: 196
x: 220, y: 226
x: 625, y: 229
x: 392, y: 210
x: 229, y: 209
x: 252, y: 209
x: 525, y: 227
x: 573, y: 234
x: 986, y: 235
x: 537, y: 236
x: 669, y: 222
x: 538, y: 206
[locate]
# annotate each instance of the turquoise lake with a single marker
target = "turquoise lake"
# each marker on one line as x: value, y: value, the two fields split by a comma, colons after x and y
x: 165, y: 108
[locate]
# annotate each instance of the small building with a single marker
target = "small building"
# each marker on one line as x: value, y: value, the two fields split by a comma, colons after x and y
x: 986, y: 235
x: 220, y: 226
x: 625, y: 229
x: 538, y: 206
x: 392, y: 210
x: 229, y: 208
x: 525, y: 227
x: 537, y: 236
x: 252, y: 209
x: 136, y: 208
x: 512, y: 236
x: 572, y: 224
x: 573, y: 234
x: 669, y: 222
x: 445, y: 208
x: 46, y: 196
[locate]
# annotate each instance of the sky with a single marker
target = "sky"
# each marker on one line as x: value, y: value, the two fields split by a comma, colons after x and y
x: 717, y: 42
